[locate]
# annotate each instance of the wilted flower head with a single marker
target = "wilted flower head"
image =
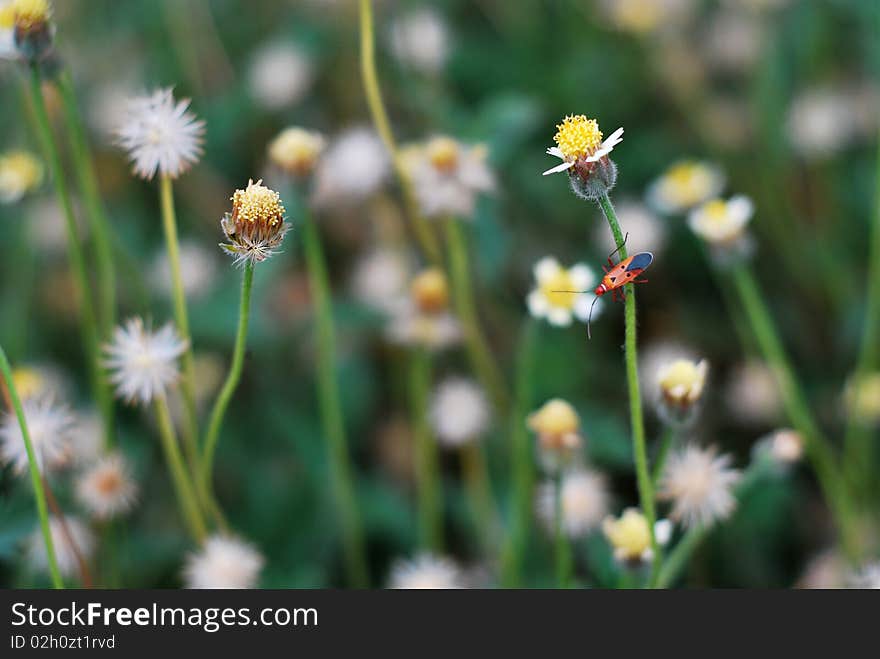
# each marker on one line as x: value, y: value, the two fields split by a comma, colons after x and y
x: 280, y: 74
x: 862, y: 398
x: 447, y: 176
x: 160, y: 135
x: 143, y: 363
x: 700, y: 485
x: 684, y: 185
x: 562, y: 293
x: 459, y: 412
x: 421, y: 40
x: 32, y: 28
x: 49, y: 428
x: 425, y: 572
x: 557, y: 426
x: 352, y: 168
x: 295, y: 151
x: 83, y: 541
x: 256, y: 226
x: 223, y: 562
x: 106, y: 489
x: 629, y: 536
x: 585, y: 155
x: 681, y: 385
x: 20, y: 173
x: 721, y: 223
x: 584, y: 502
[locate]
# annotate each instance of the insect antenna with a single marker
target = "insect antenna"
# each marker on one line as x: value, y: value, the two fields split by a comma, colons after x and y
x: 622, y: 245
x: 590, y: 318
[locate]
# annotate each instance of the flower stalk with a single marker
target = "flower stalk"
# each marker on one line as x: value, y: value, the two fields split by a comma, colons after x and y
x: 476, y: 479
x: 429, y: 495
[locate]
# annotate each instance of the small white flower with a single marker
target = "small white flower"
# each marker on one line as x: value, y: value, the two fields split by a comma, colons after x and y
x: 280, y: 74
x: 354, y: 166
x: 753, y: 394
x: 425, y: 572
x: 380, y: 279
x: 459, y: 412
x: 421, y: 39
x: 143, y: 363
x: 784, y: 446
x: 734, y: 41
x: 65, y: 553
x: 106, y: 489
x: 579, y: 139
x: 223, y: 562
x: 700, y: 484
x: 682, y: 382
x: 198, y: 270
x: 584, y: 502
x: 49, y: 428
x: 447, y: 176
x: 684, y: 185
x: 161, y: 135
x: 821, y: 121
x: 721, y: 223
x: 410, y: 326
x: 562, y: 294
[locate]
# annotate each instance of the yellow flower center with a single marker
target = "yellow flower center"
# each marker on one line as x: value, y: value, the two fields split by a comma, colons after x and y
x: 296, y: 150
x: 7, y: 17
x: 557, y: 289
x: 443, y: 153
x: 257, y: 203
x: 430, y: 291
x: 555, y: 418
x: 22, y: 168
x: 108, y: 482
x: 28, y: 382
x: 716, y: 211
x: 577, y: 136
x: 29, y: 13
x: 683, y: 173
x: 630, y: 534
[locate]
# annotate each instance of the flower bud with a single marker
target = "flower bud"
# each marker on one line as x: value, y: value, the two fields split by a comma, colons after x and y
x: 32, y: 29
x: 557, y: 425
x: 430, y: 291
x: 681, y: 387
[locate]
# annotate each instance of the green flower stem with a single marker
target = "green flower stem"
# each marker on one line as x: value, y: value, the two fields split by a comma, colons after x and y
x: 169, y: 224
x: 646, y: 488
x: 476, y: 479
x: 429, y: 494
x: 562, y: 546
x: 186, y: 495
x: 427, y: 240
x: 817, y: 447
x: 98, y: 223
x: 523, y: 466
x: 331, y: 408
x: 666, y: 443
x: 36, y: 479
x: 215, y: 423
x: 481, y: 358
x: 77, y: 260
x: 81, y: 563
x: 859, y: 449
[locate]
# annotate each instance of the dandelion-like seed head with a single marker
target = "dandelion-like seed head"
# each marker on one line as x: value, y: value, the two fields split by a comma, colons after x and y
x: 295, y: 151
x: 562, y: 294
x: 223, y: 562
x: 106, y: 489
x: 50, y: 427
x: 425, y: 572
x: 584, y: 502
x: 700, y: 484
x: 161, y: 135
x: 629, y: 535
x: 20, y: 172
x: 430, y: 291
x: 83, y: 542
x: 256, y: 226
x: 143, y: 363
x: 459, y: 412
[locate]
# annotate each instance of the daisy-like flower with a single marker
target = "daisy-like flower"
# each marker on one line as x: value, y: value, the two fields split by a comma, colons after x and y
x: 352, y: 168
x: 584, y: 502
x: 20, y: 173
x: 700, y: 483
x: 421, y: 40
x: 425, y: 572
x: 685, y: 184
x: 107, y: 489
x: 223, y: 562
x: 424, y: 319
x: 32, y: 28
x: 256, y: 226
x: 459, y: 412
x: 562, y: 293
x: 752, y: 394
x: 295, y: 151
x: 280, y: 74
x: 862, y: 398
x: 447, y: 176
x: 558, y: 427
x: 65, y: 552
x: 584, y: 155
x: 143, y: 363
x: 681, y: 385
x: 722, y: 223
x: 198, y: 270
x: 49, y: 428
x: 629, y: 536
x: 161, y: 135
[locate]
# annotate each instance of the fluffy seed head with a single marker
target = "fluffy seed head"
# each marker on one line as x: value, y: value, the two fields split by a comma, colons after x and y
x: 256, y: 226
x: 143, y: 363
x: 425, y: 572
x: 49, y: 427
x: 295, y: 151
x: 459, y: 412
x: 65, y: 552
x: 223, y: 562
x: 584, y: 502
x: 106, y: 489
x: 159, y: 134
x: 700, y: 485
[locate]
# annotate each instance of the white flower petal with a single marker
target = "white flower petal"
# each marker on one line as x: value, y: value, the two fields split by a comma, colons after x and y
x: 559, y: 316
x: 582, y: 276
x: 537, y: 303
x: 545, y: 269
x: 559, y: 168
x: 582, y: 304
